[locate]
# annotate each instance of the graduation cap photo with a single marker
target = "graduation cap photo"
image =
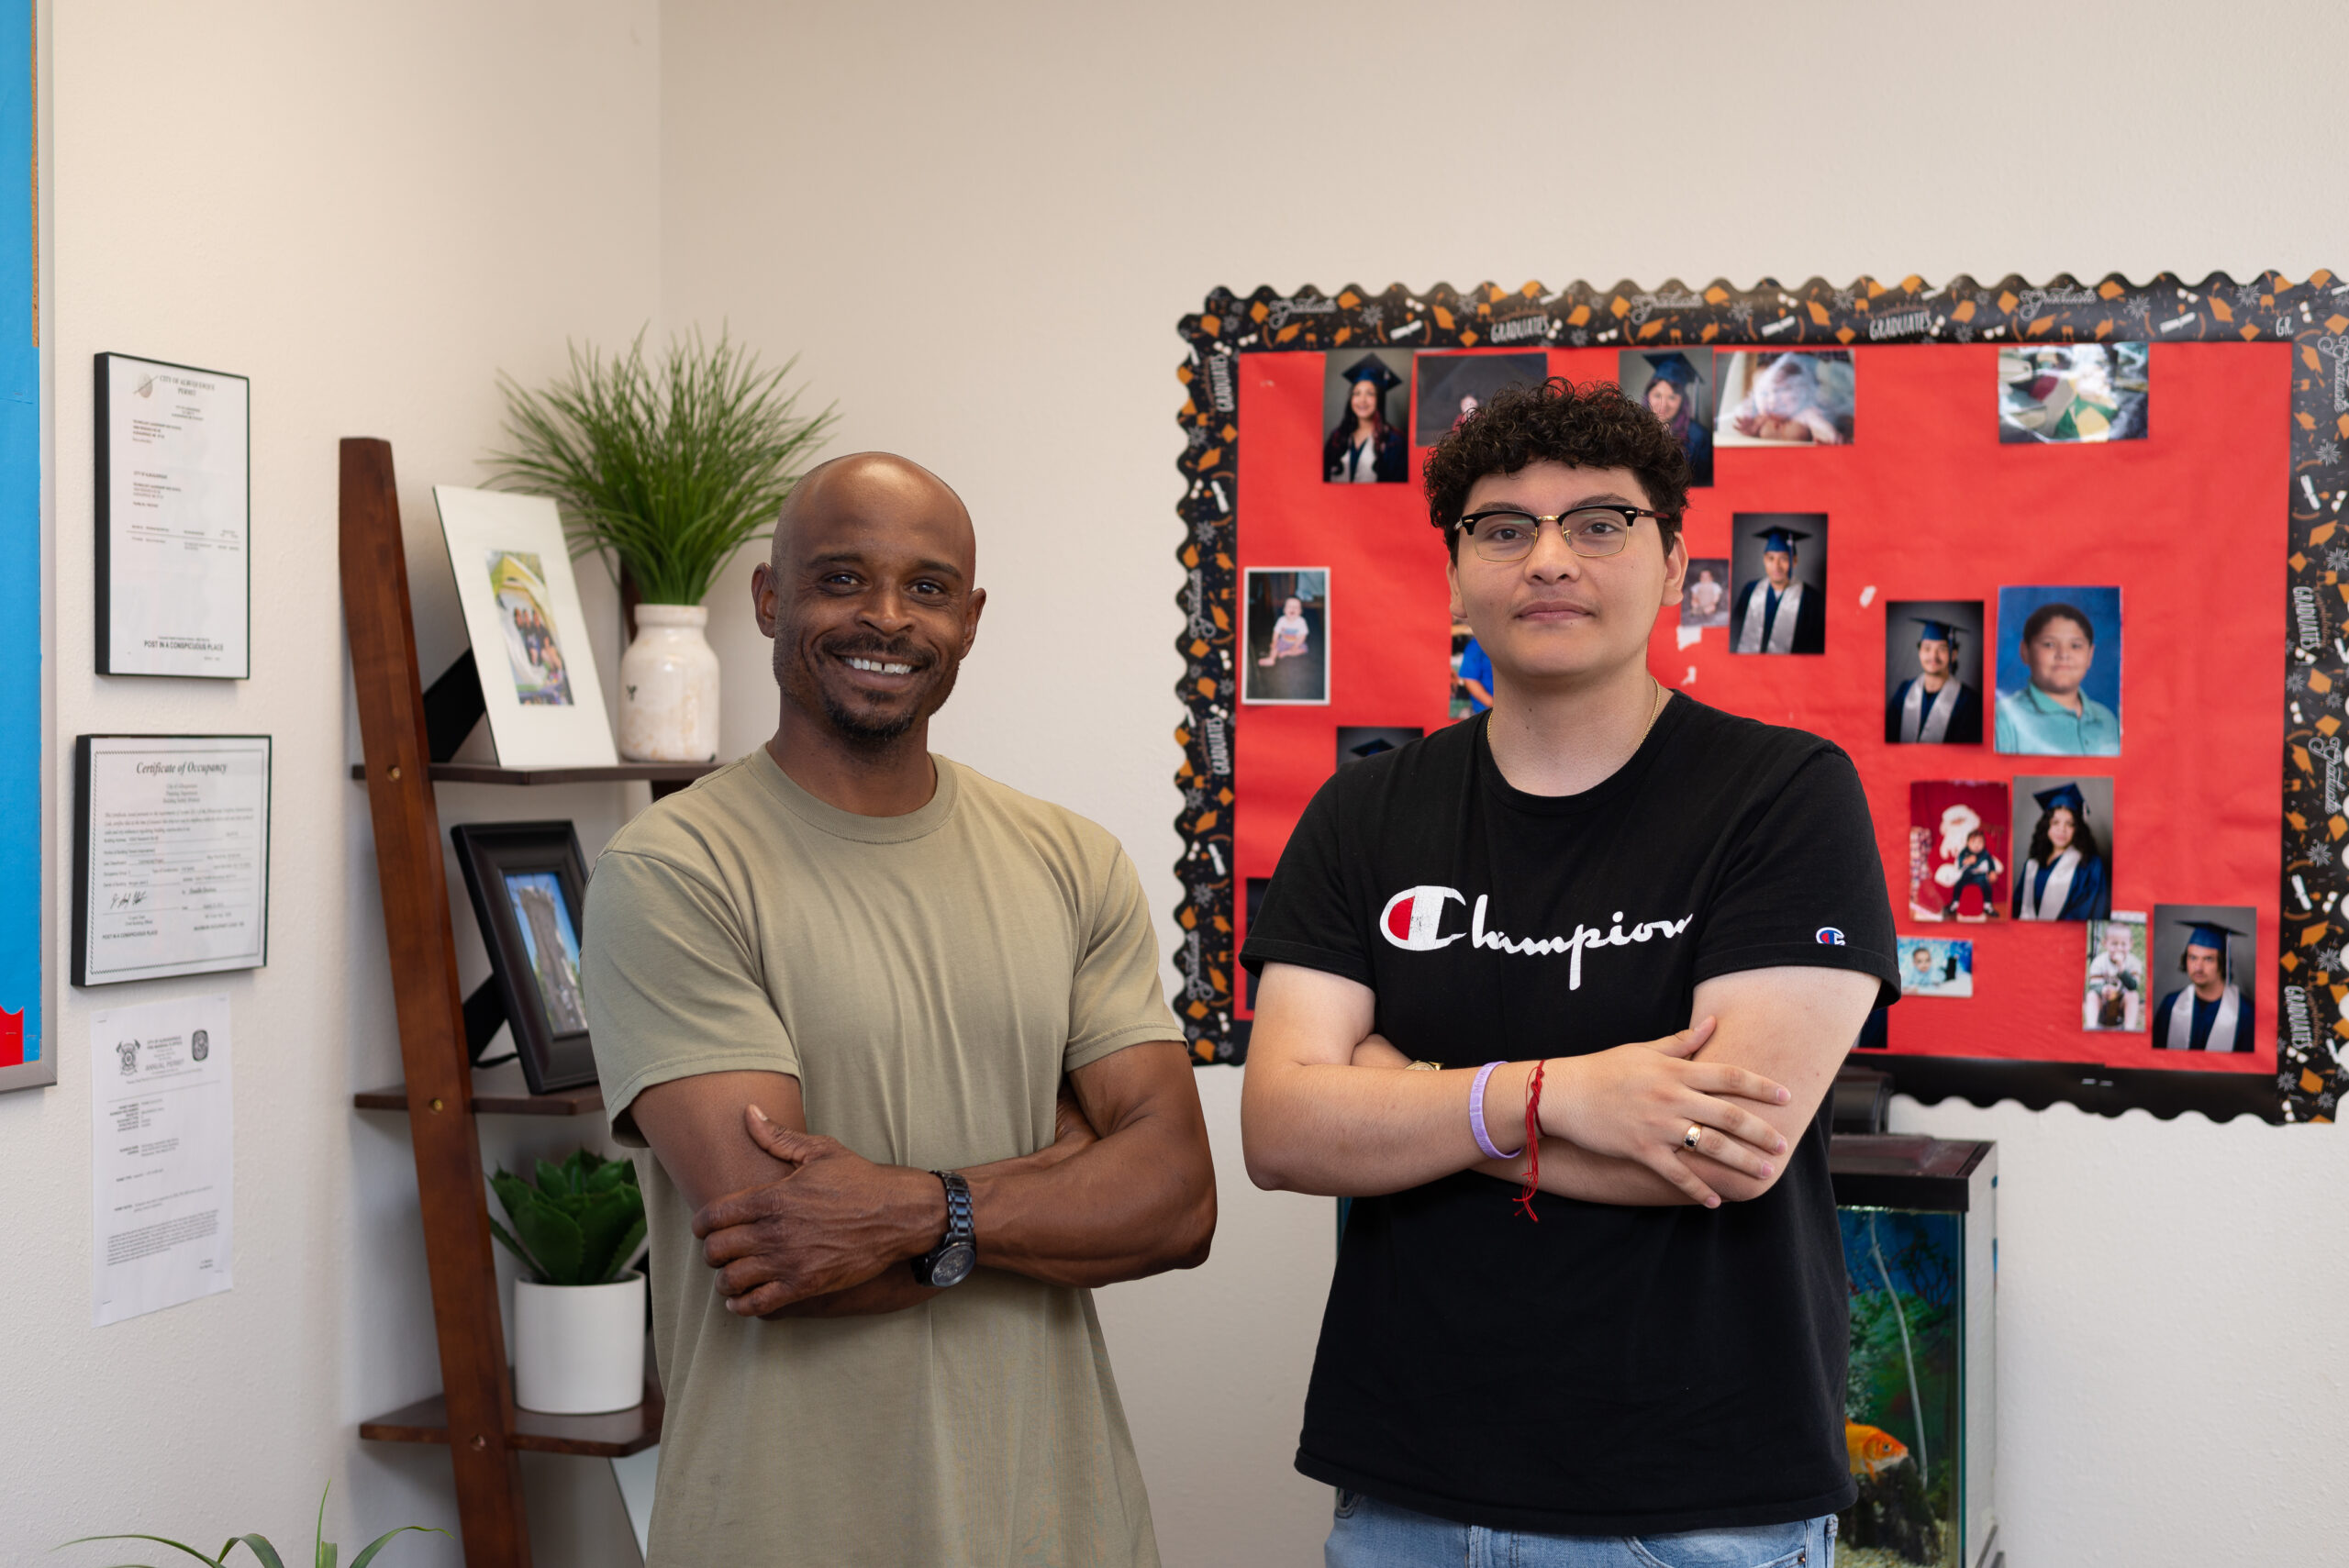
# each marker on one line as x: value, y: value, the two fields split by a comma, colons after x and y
x: 1778, y: 560
x: 1453, y: 386
x: 2064, y: 835
x: 1676, y: 385
x: 1364, y: 408
x: 1932, y: 672
x: 1357, y: 742
x: 2205, y: 974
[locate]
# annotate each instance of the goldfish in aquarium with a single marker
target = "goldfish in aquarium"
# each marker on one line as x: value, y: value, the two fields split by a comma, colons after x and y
x: 1872, y: 1450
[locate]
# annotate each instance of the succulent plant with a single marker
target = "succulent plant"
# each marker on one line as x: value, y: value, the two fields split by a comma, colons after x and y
x: 581, y: 1224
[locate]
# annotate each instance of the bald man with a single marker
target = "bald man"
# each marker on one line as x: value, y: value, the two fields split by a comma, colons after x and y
x: 868, y: 1009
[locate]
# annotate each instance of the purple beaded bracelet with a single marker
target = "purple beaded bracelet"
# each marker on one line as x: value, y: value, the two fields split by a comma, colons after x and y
x: 1476, y: 1113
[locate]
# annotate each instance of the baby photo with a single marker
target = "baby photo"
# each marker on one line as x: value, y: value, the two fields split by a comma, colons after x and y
x: 1795, y: 399
x: 1287, y: 636
x: 1935, y: 966
x: 1704, y: 593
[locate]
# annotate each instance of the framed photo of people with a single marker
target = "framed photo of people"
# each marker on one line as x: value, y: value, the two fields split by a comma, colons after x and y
x: 1941, y: 582
x: 529, y: 885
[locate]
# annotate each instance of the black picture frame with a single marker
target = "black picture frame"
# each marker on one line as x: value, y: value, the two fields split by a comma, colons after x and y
x: 102, y: 367
x: 87, y: 969
x: 550, y: 1035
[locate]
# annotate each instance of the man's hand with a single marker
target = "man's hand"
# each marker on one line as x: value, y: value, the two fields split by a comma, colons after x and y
x: 1637, y: 1102
x: 833, y: 1220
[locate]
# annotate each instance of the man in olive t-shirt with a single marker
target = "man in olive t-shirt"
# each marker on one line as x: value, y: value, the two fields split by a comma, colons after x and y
x: 867, y: 1008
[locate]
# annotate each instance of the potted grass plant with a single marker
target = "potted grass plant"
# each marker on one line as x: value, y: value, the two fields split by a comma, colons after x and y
x: 324, y: 1553
x: 579, y: 1311
x: 663, y: 471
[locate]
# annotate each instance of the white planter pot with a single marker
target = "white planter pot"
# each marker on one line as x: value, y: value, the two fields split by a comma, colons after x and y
x: 579, y: 1349
x: 669, y: 687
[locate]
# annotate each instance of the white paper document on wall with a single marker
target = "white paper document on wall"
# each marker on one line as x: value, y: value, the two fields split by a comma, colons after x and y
x: 174, y: 509
x: 163, y: 1151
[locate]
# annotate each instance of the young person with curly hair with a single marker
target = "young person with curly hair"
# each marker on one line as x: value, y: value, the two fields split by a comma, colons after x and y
x: 1611, y: 944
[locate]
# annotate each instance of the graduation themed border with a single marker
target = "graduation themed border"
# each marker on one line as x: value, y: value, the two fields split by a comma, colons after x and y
x: 2313, y: 316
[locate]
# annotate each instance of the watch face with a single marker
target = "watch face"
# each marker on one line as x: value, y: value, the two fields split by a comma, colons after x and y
x: 953, y: 1265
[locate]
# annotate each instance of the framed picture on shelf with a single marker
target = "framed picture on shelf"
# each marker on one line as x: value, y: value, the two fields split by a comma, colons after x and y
x: 530, y: 640
x: 529, y: 884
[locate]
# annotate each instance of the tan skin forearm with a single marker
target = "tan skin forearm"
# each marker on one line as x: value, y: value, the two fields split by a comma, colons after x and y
x: 1793, y: 1024
x: 796, y: 1222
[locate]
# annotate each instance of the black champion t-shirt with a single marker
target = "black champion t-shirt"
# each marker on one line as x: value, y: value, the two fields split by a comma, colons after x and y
x: 1609, y: 1369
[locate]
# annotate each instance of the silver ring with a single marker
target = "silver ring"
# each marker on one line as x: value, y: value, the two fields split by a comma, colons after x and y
x: 1689, y: 1139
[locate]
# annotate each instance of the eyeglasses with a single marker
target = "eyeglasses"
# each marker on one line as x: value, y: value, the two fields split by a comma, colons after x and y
x: 1508, y: 534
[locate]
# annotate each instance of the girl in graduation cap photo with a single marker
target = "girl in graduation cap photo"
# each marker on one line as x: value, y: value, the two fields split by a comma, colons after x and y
x: 1363, y: 448
x: 2066, y: 877
x: 2210, y: 1012
x: 1675, y: 397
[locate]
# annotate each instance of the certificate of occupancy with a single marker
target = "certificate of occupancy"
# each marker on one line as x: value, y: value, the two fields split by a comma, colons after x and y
x: 162, y: 1215
x: 174, y: 508
x: 171, y: 852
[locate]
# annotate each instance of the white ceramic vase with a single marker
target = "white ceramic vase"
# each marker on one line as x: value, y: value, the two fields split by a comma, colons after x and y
x: 579, y: 1349
x: 669, y: 687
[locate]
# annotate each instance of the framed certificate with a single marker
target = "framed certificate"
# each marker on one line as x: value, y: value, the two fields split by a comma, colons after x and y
x: 175, y: 492
x: 171, y: 855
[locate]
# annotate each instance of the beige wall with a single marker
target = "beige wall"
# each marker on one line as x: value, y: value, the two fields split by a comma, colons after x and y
x: 370, y: 211
x: 979, y: 225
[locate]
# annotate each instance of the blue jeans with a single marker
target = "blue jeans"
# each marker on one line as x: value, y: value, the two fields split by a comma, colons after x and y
x: 1372, y: 1534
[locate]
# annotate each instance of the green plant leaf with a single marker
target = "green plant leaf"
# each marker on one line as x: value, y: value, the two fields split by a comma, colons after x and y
x: 158, y: 1539
x: 623, y: 1254
x: 604, y: 1223
x: 259, y: 1546
x: 554, y: 1240
x: 559, y: 1181
x: 367, y: 1553
x: 664, y: 474
x: 322, y: 1553
x: 513, y: 1246
x: 609, y: 1174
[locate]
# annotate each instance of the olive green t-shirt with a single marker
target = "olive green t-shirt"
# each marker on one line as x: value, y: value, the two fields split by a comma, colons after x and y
x: 928, y: 979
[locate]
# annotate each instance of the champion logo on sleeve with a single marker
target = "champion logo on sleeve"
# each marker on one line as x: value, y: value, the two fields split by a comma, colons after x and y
x: 1829, y: 936
x: 1413, y: 920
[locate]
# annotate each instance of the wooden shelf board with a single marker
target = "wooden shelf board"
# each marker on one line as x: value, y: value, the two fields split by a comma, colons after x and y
x: 499, y: 1091
x: 613, y: 1435
x: 490, y: 774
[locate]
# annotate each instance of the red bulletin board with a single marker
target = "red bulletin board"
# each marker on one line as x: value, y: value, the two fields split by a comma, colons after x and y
x: 1924, y: 505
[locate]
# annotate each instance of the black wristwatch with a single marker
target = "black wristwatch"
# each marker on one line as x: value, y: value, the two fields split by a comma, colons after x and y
x: 951, y: 1261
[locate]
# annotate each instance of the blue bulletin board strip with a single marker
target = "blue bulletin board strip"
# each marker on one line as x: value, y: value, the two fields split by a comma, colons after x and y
x: 22, y: 1044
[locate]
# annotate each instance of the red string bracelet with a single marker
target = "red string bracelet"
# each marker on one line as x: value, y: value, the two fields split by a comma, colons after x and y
x: 1532, y: 1145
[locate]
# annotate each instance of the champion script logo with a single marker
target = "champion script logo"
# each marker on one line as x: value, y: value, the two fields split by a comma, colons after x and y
x: 1413, y: 920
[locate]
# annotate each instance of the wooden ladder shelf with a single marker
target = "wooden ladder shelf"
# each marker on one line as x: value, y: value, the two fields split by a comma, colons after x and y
x: 474, y: 1413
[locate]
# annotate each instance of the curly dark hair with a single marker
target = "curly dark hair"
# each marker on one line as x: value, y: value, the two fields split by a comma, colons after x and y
x: 1587, y: 426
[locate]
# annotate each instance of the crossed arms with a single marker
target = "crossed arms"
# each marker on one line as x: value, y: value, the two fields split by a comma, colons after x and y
x: 1325, y: 1107
x: 799, y: 1225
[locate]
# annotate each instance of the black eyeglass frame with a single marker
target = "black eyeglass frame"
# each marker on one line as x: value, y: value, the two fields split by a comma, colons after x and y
x: 1629, y: 513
